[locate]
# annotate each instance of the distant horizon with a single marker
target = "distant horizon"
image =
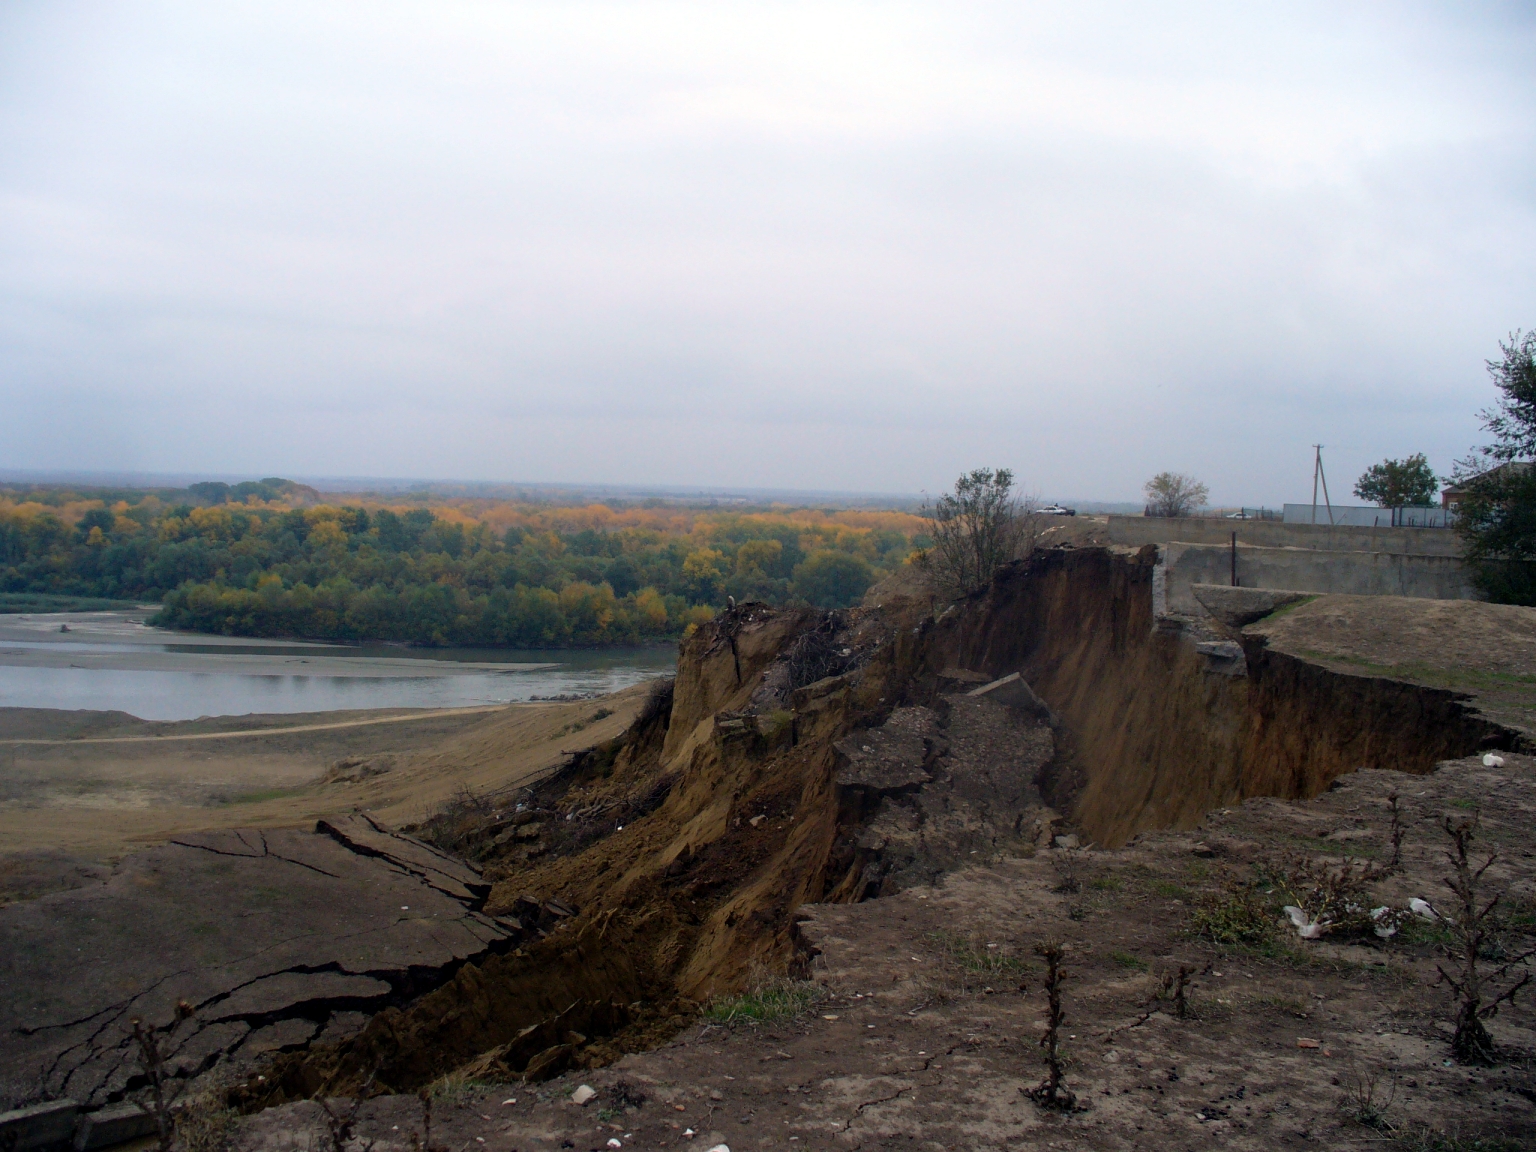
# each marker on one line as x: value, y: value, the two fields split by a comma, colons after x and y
x: 363, y: 485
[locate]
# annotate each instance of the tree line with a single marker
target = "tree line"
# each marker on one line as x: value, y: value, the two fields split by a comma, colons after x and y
x: 431, y: 576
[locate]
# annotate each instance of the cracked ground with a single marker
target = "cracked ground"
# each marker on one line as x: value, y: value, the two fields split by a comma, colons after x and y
x: 926, y: 1034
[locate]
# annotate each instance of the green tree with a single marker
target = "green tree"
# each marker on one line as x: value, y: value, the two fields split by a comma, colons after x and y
x: 1409, y: 483
x: 1497, y: 512
x: 975, y: 530
x: 831, y: 579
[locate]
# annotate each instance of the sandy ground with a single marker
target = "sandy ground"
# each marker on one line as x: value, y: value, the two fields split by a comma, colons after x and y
x: 95, y: 785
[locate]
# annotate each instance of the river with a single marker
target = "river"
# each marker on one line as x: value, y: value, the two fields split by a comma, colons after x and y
x: 114, y: 661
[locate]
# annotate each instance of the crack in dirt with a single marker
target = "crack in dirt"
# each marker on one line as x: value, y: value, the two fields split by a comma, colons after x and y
x: 859, y: 1111
x: 264, y: 853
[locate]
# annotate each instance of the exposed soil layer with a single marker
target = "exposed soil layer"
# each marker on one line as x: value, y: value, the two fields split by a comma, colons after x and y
x: 1166, y: 725
x: 931, y: 1010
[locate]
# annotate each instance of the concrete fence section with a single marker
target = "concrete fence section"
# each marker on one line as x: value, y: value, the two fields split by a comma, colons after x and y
x: 1136, y: 531
x: 1369, y: 517
x: 1308, y: 570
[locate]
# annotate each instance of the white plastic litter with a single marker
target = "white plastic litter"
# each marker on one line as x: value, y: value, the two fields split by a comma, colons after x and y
x: 583, y: 1094
x: 721, y: 1148
x: 1423, y: 909
x: 1492, y: 760
x: 1383, y: 930
x: 615, y: 1142
x: 1306, y: 927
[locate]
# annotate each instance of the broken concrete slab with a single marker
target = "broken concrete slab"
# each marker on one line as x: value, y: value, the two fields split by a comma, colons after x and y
x: 1014, y: 692
x: 251, y: 928
x: 892, y: 757
x: 41, y: 1126
x: 1239, y: 607
x: 113, y: 1126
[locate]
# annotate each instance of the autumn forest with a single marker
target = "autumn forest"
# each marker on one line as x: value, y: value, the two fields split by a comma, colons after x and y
x: 274, y: 558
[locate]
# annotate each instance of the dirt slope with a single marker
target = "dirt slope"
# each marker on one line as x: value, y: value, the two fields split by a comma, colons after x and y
x: 926, y: 1034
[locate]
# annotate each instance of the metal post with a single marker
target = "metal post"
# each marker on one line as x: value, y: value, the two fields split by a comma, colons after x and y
x: 1234, y: 559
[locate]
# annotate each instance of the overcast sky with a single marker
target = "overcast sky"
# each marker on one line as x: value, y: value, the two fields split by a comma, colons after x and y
x: 815, y: 246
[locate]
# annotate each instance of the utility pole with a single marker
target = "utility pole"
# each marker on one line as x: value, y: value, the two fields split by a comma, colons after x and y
x: 1317, y: 474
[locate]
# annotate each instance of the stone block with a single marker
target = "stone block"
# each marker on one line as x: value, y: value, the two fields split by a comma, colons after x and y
x: 50, y: 1125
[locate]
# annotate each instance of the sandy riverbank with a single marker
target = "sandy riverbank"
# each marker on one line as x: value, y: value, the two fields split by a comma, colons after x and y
x: 104, y: 783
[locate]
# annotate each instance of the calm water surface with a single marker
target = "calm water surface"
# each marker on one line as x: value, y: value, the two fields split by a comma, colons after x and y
x: 186, y: 695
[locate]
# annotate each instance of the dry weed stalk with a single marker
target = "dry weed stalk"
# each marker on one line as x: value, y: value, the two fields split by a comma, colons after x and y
x: 1050, y: 1093
x: 1475, y: 930
x: 340, y: 1124
x: 1360, y: 1097
x: 1399, y: 830
x: 152, y: 1063
x: 423, y: 1142
x: 1066, y: 862
x: 1176, y: 987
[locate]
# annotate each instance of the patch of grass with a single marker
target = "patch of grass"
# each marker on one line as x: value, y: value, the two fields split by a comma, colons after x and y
x: 1236, y: 913
x: 1106, y: 883
x: 1466, y: 679
x: 975, y: 963
x: 585, y: 722
x: 1468, y: 804
x: 206, y: 1122
x: 1286, y: 609
x: 455, y: 1087
x: 768, y: 1002
x: 1287, y: 1004
x: 1423, y: 1138
x: 1129, y: 960
x: 1169, y: 890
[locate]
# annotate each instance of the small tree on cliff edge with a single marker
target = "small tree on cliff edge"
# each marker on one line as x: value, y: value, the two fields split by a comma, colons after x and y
x: 1497, y: 513
x: 1174, y: 494
x: 975, y: 530
x: 1409, y: 483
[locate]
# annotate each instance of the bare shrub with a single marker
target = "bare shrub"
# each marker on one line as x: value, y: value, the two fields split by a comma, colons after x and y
x: 1366, y: 1099
x: 152, y: 1064
x: 1051, y: 1092
x: 1068, y: 865
x: 977, y: 529
x: 1174, y: 494
x: 1333, y: 897
x: 1476, y: 931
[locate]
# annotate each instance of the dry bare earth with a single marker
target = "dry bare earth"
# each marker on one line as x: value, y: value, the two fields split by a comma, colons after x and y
x: 923, y: 1040
x: 1486, y: 651
x: 111, y: 783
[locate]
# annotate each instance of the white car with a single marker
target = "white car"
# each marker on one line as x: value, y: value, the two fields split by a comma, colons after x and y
x: 1056, y: 510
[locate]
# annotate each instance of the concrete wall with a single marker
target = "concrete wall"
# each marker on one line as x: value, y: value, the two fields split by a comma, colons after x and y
x: 1138, y: 530
x: 1309, y: 570
x: 1367, y: 517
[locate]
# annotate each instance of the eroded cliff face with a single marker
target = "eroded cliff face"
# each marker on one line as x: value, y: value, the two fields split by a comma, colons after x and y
x: 808, y: 757
x: 1159, y: 731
